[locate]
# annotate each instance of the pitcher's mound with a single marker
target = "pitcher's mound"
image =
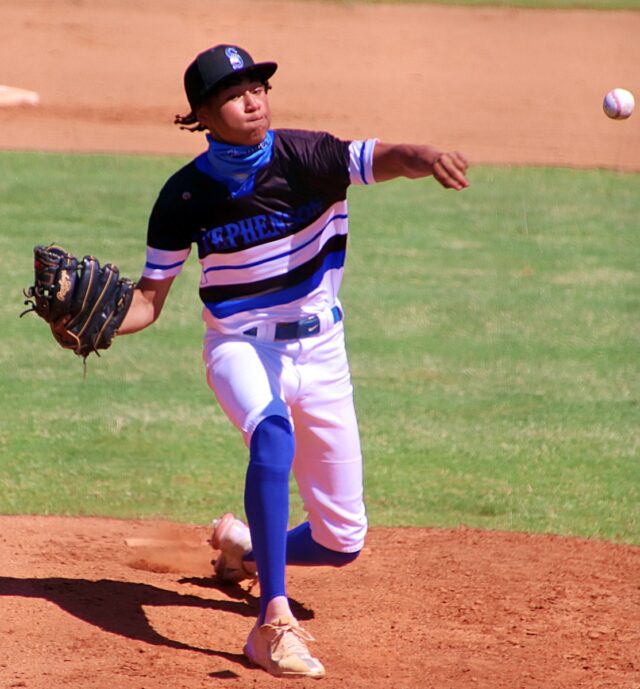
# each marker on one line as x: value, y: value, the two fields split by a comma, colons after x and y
x: 104, y: 604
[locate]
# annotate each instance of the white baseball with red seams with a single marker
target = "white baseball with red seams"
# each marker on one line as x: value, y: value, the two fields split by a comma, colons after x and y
x: 618, y: 104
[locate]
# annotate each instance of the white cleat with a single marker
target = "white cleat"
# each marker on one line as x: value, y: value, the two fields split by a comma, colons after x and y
x: 232, y: 538
x: 281, y: 649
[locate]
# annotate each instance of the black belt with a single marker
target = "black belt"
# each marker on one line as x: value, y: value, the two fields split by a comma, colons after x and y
x: 307, y: 327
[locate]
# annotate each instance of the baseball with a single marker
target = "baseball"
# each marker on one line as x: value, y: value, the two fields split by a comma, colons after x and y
x: 618, y: 104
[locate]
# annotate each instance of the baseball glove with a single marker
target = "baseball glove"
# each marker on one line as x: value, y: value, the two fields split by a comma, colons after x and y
x: 83, y: 302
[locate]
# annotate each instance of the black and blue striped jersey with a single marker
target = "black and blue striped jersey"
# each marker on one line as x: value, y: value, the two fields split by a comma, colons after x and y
x: 277, y: 252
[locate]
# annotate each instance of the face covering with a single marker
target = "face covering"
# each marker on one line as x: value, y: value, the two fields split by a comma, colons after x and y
x: 237, y: 166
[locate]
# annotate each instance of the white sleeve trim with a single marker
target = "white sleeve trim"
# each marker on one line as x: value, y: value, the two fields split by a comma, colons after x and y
x: 361, y: 161
x: 164, y: 264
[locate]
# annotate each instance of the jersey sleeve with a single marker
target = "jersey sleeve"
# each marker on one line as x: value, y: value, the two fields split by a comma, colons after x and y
x: 168, y: 242
x: 361, y: 161
x: 164, y: 264
x: 319, y: 158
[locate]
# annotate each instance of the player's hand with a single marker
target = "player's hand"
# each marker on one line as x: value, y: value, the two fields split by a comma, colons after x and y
x: 450, y: 170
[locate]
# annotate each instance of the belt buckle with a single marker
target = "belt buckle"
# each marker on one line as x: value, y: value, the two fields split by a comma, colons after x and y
x: 305, y: 327
x: 298, y: 329
x: 309, y: 326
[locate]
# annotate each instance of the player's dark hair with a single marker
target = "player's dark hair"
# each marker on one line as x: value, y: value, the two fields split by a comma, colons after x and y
x: 190, y: 121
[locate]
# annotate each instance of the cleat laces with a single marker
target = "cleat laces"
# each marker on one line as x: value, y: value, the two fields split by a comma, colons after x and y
x: 289, y: 640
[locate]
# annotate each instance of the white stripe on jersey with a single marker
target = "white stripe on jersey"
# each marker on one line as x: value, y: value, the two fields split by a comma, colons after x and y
x: 278, y: 256
x: 361, y: 161
x: 164, y: 264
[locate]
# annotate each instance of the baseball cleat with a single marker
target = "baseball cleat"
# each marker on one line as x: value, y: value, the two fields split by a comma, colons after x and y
x: 232, y: 538
x: 281, y: 649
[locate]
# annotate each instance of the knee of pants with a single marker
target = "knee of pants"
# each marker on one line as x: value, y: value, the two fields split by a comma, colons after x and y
x: 339, y: 530
x: 344, y: 559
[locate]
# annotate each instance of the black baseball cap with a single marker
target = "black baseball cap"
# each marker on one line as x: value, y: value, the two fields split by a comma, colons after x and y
x: 216, y: 64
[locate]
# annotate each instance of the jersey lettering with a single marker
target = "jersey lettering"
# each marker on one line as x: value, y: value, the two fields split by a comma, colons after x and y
x: 257, y: 228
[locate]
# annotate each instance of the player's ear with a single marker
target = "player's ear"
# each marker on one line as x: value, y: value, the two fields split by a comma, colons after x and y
x: 200, y: 113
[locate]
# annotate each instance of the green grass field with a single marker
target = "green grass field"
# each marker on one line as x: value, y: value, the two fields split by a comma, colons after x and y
x: 493, y: 339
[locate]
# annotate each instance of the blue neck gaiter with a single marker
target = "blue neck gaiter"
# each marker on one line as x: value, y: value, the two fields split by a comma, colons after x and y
x: 236, y: 166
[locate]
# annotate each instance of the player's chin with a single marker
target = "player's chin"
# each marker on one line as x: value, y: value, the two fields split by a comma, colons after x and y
x: 256, y: 131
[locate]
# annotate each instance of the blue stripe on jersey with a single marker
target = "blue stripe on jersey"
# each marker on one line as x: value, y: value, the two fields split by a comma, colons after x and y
x: 362, y: 169
x: 162, y: 266
x: 269, y: 284
x: 284, y: 253
x: 224, y: 309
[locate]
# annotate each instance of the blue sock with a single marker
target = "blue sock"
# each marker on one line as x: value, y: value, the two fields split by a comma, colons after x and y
x: 303, y: 550
x: 266, y: 503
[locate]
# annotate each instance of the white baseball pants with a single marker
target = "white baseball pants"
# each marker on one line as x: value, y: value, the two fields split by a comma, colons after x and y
x: 308, y: 382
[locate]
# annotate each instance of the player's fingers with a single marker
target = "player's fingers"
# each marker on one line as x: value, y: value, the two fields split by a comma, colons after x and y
x: 454, y: 163
x: 460, y: 160
x: 449, y: 169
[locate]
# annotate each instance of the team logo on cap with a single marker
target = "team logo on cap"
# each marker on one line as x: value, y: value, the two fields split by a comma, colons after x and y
x: 235, y: 60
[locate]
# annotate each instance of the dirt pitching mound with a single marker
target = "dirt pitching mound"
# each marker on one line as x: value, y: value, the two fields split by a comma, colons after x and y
x: 104, y: 603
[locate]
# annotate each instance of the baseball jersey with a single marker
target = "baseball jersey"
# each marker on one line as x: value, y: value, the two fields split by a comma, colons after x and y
x: 275, y: 253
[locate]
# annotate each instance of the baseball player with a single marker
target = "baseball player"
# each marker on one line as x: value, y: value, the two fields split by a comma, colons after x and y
x: 267, y: 211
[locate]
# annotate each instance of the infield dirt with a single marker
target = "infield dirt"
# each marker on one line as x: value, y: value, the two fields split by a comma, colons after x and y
x: 504, y: 86
x: 433, y: 608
